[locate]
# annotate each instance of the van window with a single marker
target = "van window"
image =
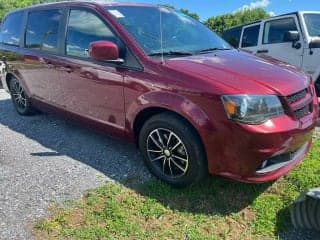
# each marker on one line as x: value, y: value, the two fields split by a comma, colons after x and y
x: 274, y: 30
x: 232, y: 36
x: 83, y: 28
x: 11, y: 29
x: 42, y: 30
x: 250, y: 36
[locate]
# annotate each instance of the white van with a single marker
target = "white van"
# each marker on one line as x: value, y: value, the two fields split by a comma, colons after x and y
x: 293, y: 38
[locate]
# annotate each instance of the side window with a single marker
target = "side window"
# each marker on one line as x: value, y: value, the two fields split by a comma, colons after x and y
x: 232, y: 36
x: 250, y: 36
x: 83, y: 28
x: 42, y: 30
x: 274, y: 30
x: 11, y: 29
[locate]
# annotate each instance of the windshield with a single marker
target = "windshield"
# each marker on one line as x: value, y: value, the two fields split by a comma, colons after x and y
x: 181, y: 34
x: 313, y: 24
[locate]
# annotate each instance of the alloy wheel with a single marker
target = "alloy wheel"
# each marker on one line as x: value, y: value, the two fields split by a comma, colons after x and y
x: 167, y: 153
x: 19, y: 96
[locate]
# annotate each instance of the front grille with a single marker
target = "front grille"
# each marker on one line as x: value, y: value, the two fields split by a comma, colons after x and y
x: 297, y: 96
x: 300, y: 113
x: 300, y: 103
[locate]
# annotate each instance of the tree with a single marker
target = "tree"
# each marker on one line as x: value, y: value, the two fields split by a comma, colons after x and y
x: 191, y: 14
x: 8, y: 5
x: 222, y: 22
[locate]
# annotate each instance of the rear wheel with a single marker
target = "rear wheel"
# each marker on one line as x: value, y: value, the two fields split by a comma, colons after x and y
x: 172, y: 150
x: 19, y: 98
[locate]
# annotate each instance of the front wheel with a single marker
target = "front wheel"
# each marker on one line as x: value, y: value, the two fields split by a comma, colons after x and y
x: 20, y: 99
x: 172, y: 150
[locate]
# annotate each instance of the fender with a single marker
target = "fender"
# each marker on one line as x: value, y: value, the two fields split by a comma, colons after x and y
x: 172, y: 102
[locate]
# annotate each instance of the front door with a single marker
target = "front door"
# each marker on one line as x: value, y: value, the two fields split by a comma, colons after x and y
x: 274, y: 44
x: 88, y: 87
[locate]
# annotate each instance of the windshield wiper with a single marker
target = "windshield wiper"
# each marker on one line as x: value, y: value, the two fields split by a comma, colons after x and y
x: 213, y: 49
x: 171, y: 53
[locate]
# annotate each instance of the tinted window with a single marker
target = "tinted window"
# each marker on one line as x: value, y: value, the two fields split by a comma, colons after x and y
x: 11, y: 29
x: 42, y: 30
x: 83, y: 28
x: 232, y: 36
x: 250, y: 36
x: 274, y: 30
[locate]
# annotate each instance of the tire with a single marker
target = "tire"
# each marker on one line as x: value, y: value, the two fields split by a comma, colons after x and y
x: 172, y: 150
x: 306, y: 214
x: 317, y: 86
x: 19, y: 98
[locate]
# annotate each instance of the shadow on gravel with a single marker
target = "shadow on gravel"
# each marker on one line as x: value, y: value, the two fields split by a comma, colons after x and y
x: 122, y: 162
x: 114, y: 158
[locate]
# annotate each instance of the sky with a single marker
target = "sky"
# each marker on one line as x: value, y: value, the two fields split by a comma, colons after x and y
x: 208, y: 8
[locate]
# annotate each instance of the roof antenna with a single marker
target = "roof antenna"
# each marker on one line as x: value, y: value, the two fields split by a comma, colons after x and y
x: 161, y: 37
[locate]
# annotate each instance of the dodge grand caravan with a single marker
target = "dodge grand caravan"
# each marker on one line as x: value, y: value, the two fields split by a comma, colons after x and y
x: 192, y: 103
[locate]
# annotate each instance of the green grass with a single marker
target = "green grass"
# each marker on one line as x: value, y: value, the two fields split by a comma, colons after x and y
x: 214, y: 209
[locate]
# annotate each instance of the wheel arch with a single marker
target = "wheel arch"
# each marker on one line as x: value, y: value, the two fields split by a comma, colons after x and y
x: 160, y: 102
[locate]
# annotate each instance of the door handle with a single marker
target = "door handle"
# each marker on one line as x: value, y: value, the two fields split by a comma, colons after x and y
x: 67, y: 69
x: 263, y: 51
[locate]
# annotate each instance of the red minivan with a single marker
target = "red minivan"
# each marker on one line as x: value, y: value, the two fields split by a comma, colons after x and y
x: 193, y: 104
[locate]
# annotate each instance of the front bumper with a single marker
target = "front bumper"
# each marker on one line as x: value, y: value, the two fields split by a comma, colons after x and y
x: 239, y: 151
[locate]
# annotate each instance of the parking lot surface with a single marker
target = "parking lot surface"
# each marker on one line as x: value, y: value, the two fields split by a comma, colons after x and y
x: 45, y: 160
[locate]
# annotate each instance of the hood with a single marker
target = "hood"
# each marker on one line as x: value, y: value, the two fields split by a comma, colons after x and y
x: 240, y: 72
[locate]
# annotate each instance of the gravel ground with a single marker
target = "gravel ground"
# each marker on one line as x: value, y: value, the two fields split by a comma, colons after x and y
x: 46, y: 160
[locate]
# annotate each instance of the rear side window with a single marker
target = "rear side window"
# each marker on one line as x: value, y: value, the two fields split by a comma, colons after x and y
x: 83, y: 28
x: 275, y: 30
x: 232, y: 36
x: 42, y: 30
x: 250, y: 36
x: 11, y: 29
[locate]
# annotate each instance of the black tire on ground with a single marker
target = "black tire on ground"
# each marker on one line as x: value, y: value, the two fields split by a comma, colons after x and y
x: 172, y: 150
x: 306, y: 214
x: 19, y: 98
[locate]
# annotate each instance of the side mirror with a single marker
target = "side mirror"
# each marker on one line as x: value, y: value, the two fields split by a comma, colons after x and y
x: 315, y: 43
x: 294, y: 37
x: 105, y: 51
x: 291, y: 36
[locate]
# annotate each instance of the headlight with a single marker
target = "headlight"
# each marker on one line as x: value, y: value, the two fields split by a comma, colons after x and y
x: 252, y: 109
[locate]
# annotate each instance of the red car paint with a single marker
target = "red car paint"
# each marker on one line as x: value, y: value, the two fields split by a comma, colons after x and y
x: 110, y: 98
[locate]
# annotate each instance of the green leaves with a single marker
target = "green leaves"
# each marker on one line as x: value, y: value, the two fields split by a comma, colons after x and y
x: 222, y: 22
x: 8, y: 5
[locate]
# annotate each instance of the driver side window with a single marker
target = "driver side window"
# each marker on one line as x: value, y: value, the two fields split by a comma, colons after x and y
x: 275, y: 30
x: 85, y: 27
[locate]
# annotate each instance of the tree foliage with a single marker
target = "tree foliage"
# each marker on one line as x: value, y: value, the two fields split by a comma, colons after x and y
x: 8, y: 5
x: 191, y: 14
x: 222, y: 22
